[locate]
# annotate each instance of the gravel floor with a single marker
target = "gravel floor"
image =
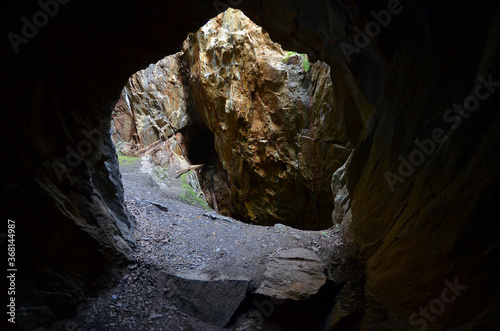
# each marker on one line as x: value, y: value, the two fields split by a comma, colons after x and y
x: 177, y: 237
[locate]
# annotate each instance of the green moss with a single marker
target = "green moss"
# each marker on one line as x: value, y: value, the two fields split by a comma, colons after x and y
x: 306, y: 65
x: 160, y: 173
x: 126, y: 160
x: 189, y: 195
x: 288, y: 55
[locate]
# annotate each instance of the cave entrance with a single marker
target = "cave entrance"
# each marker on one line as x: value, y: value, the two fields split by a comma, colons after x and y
x: 244, y: 123
x: 237, y: 129
x: 212, y: 176
x: 202, y: 148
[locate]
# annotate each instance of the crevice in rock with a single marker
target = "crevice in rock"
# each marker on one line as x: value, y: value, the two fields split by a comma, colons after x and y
x: 201, y: 148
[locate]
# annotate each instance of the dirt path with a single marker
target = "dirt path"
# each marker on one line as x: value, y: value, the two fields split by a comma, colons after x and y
x: 179, y: 238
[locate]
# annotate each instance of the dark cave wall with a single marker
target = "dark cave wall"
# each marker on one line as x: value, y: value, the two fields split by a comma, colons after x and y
x: 73, y: 232
x: 438, y: 224
x: 426, y: 231
x: 418, y: 234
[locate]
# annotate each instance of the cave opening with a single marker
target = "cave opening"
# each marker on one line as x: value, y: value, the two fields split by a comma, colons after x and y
x: 65, y: 196
x: 265, y: 154
x: 201, y: 148
x: 199, y: 152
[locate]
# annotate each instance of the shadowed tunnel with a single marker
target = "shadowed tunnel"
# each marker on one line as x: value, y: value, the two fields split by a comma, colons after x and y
x: 417, y: 227
x: 201, y: 148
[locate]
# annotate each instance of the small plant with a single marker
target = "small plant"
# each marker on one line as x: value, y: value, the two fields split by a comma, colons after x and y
x: 288, y: 55
x: 126, y: 160
x: 306, y: 65
x: 189, y: 195
x: 161, y: 173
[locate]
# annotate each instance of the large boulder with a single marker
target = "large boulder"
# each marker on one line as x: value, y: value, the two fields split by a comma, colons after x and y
x: 277, y: 122
x: 213, y: 300
x: 294, y: 274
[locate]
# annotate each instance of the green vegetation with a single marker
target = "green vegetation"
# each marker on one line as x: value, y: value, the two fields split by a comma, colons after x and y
x: 126, y: 160
x: 161, y: 173
x: 306, y: 65
x: 189, y: 195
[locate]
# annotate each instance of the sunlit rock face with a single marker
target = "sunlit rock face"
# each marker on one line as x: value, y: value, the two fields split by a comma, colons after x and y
x: 278, y: 130
x: 277, y: 126
x: 153, y: 106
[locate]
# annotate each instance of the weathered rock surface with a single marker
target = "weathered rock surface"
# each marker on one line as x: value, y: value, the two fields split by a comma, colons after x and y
x: 278, y: 127
x: 153, y: 106
x: 293, y: 274
x: 199, y: 295
x: 154, y: 117
x: 341, y: 215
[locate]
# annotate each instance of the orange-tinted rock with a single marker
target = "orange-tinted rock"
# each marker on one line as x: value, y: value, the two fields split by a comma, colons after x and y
x: 153, y: 106
x: 278, y: 128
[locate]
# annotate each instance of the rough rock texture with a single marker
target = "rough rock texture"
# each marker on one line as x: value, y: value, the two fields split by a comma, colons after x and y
x: 278, y: 127
x: 293, y: 274
x: 154, y: 105
x: 342, y: 204
x: 440, y: 223
x: 199, y: 295
x: 60, y: 185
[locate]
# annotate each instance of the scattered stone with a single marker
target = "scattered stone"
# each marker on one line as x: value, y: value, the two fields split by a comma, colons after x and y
x: 215, y: 216
x: 154, y: 315
x: 279, y: 226
x: 211, y: 300
x: 160, y: 206
x: 294, y: 274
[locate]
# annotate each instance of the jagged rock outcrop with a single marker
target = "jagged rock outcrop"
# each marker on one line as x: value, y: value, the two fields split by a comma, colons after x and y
x: 154, y: 117
x: 278, y: 126
x: 342, y: 203
x: 153, y: 106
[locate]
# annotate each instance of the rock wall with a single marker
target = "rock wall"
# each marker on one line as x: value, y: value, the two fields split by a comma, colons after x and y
x: 60, y: 182
x: 276, y: 122
x: 153, y: 106
x: 278, y: 126
x: 432, y: 230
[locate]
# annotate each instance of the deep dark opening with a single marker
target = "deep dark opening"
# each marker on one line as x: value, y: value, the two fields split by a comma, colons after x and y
x: 202, y: 148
